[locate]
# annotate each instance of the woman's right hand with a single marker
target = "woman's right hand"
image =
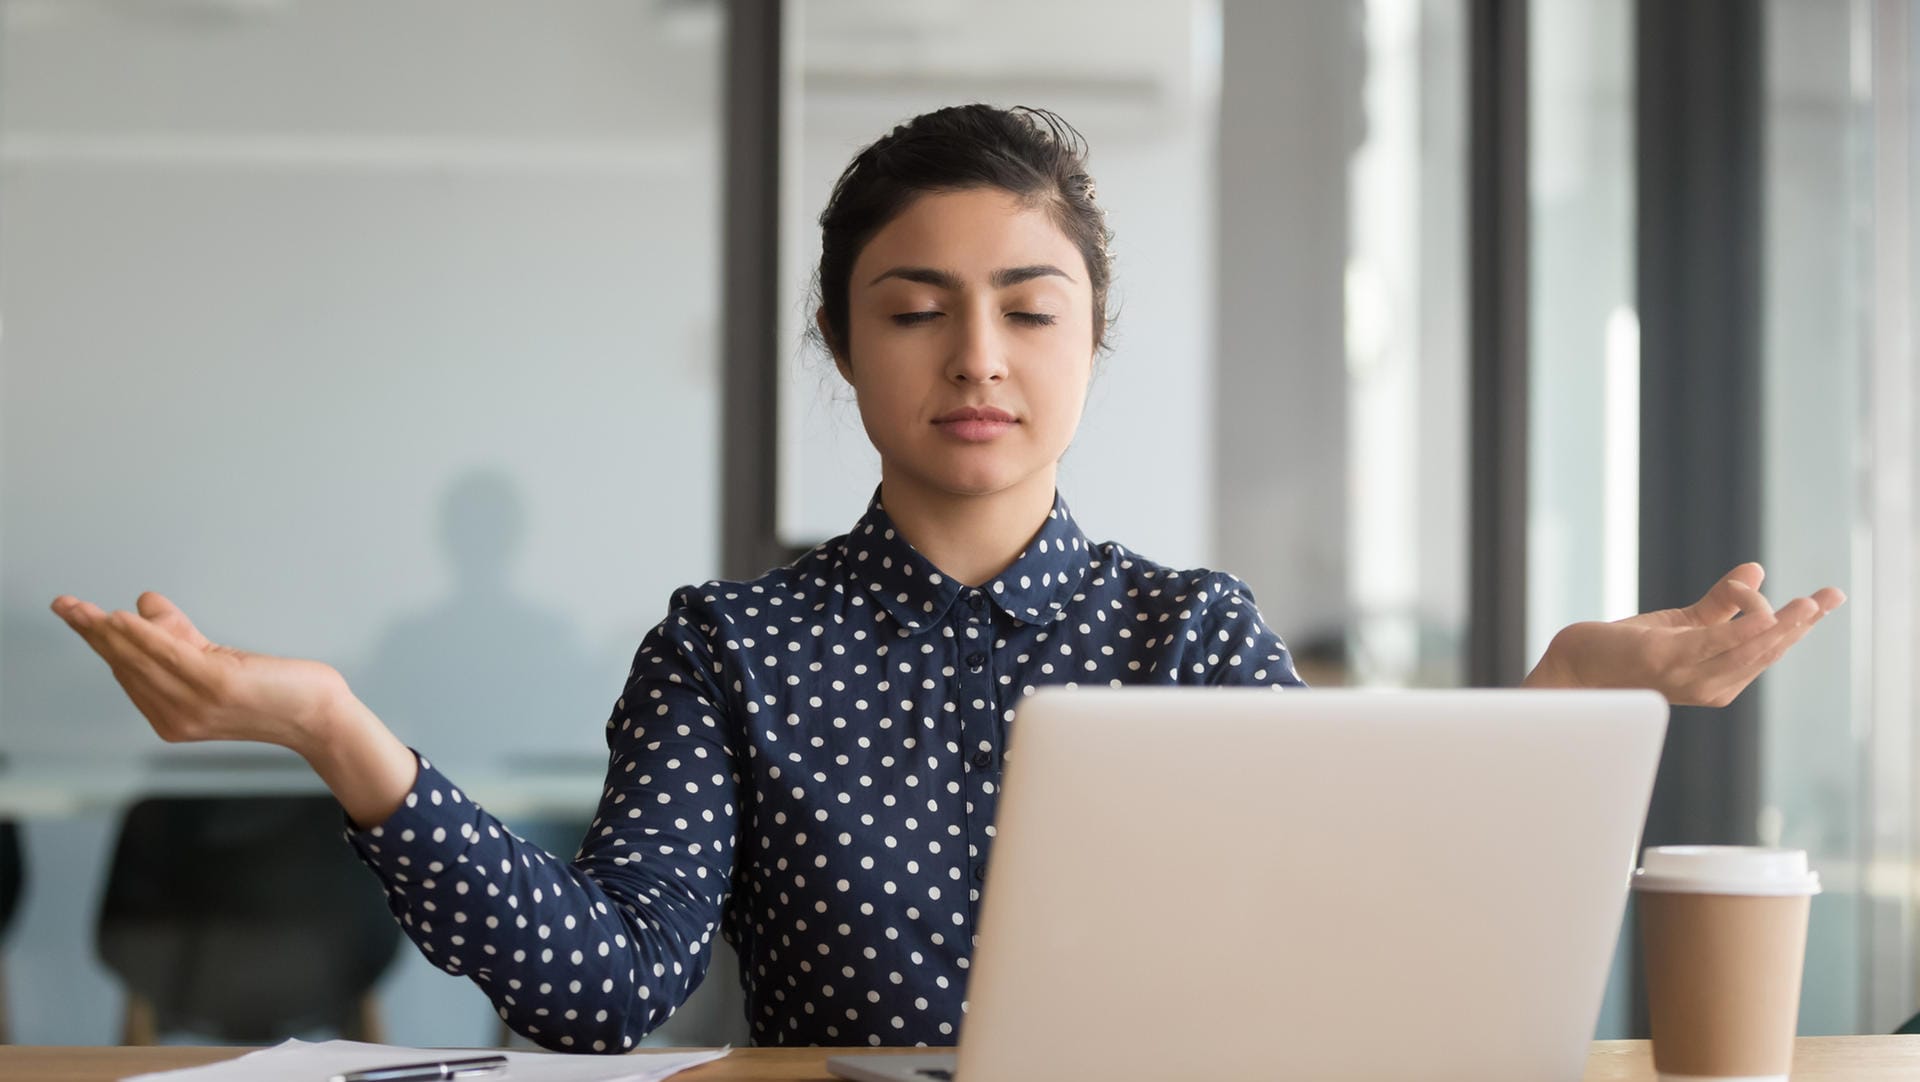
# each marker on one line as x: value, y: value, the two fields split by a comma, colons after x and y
x: 193, y: 689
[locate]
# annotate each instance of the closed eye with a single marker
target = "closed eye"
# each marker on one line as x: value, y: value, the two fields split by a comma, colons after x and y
x: 1029, y: 319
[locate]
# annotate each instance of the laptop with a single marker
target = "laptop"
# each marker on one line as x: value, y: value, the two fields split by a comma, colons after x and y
x: 1329, y: 885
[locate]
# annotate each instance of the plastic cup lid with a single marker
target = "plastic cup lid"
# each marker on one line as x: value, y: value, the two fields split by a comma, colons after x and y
x: 1725, y: 869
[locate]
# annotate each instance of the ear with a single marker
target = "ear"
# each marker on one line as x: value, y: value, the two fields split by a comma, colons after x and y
x: 826, y: 335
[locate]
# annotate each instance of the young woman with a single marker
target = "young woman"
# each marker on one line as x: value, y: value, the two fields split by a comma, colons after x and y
x: 807, y: 764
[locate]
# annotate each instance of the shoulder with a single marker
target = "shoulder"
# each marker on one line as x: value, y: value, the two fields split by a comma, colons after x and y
x: 1150, y: 586
x: 716, y: 604
x: 1209, y: 616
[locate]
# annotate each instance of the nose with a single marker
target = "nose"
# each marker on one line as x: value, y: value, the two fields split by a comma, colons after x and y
x: 979, y: 355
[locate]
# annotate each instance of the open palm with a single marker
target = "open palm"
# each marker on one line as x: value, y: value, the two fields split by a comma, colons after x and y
x: 190, y: 688
x: 1702, y: 655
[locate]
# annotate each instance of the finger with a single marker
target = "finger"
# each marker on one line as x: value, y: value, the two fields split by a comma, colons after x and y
x: 1717, y: 606
x: 73, y: 608
x: 140, y: 677
x: 169, y: 707
x: 1728, y: 596
x: 1711, y: 642
x: 167, y: 617
x: 1752, y: 603
x: 1801, y: 610
x: 84, y: 618
x: 1829, y: 598
x: 131, y: 660
x: 1749, y: 659
x: 186, y: 664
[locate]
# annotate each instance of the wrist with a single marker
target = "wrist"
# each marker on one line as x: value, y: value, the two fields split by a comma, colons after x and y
x: 319, y: 733
x: 367, y: 768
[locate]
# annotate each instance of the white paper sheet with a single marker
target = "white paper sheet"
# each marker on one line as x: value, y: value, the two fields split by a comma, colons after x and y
x: 303, y: 1061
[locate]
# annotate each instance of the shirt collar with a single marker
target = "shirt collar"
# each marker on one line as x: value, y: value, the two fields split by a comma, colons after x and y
x: 1034, y: 589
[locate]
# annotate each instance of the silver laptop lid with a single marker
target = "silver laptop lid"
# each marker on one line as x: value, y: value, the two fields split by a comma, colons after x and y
x: 1217, y: 883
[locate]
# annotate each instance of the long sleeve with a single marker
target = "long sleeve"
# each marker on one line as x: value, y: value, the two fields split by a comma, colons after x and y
x: 1236, y: 646
x: 592, y: 954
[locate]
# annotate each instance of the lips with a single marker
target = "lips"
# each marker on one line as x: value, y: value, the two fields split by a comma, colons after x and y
x: 975, y: 424
x: 975, y: 413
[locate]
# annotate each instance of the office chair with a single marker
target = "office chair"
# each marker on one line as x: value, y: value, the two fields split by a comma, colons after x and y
x: 12, y: 873
x: 244, y: 919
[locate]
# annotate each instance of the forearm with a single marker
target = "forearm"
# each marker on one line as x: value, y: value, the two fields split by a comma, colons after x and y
x: 586, y: 955
x: 583, y: 958
x: 368, y: 769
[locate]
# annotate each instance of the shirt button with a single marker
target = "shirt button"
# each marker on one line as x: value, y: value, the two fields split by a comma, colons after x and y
x: 976, y: 601
x: 976, y: 661
x: 980, y: 872
x: 983, y: 759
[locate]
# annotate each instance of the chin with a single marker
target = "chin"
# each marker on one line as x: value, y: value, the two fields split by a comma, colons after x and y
x: 967, y: 486
x: 970, y: 474
x: 974, y: 483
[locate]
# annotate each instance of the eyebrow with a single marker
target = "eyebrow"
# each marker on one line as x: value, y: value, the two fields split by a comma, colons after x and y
x: 1000, y: 279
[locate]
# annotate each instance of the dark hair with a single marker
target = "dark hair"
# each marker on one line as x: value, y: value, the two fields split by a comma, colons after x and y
x: 1030, y: 153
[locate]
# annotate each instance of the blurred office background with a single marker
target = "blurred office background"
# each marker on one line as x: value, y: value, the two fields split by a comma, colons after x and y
x: 441, y: 339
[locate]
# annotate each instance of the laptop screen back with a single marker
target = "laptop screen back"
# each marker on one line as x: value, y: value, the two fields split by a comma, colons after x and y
x: 1234, y: 883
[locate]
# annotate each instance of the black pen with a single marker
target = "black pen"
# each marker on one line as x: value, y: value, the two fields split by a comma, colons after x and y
x: 437, y: 1071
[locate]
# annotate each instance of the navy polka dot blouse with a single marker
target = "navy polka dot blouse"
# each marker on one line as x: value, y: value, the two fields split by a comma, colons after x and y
x: 806, y: 764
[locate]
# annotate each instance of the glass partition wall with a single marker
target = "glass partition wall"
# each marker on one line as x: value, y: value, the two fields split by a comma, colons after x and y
x: 1285, y: 396
x: 1838, y: 482
x: 1142, y: 86
x: 1583, y: 451
x: 378, y: 332
x: 1835, y: 460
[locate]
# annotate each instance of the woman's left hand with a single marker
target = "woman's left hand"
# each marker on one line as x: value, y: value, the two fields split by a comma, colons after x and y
x: 1696, y: 656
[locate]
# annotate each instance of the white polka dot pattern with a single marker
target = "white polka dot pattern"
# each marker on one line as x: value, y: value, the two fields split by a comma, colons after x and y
x: 807, y: 764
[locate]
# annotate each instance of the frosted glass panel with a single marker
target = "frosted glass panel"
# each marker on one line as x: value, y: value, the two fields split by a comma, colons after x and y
x: 1142, y: 84
x: 383, y: 333
x: 1583, y: 485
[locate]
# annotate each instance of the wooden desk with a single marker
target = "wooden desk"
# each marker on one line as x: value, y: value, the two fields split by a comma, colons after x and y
x: 1818, y: 1059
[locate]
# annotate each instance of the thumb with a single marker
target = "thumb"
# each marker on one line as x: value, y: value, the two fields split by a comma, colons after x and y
x: 1729, y: 597
x: 167, y: 616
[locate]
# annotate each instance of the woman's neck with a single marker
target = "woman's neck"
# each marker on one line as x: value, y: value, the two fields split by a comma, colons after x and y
x: 969, y: 538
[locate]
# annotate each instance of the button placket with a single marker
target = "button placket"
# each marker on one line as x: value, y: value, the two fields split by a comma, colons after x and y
x: 980, y: 727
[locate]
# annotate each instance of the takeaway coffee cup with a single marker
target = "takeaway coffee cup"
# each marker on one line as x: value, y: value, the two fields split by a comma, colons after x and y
x: 1724, y: 935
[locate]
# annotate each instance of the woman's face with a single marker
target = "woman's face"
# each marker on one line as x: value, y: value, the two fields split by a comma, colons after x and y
x: 970, y: 300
